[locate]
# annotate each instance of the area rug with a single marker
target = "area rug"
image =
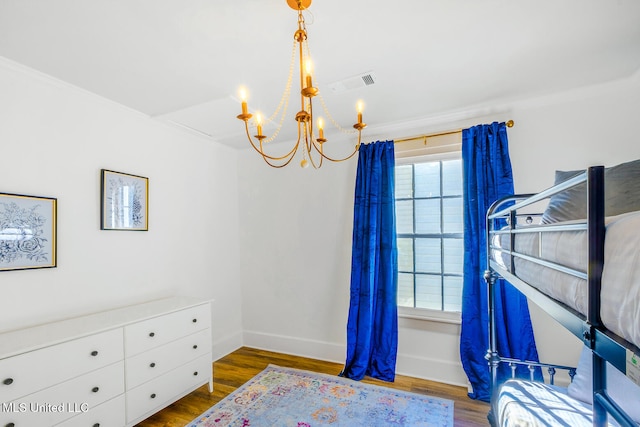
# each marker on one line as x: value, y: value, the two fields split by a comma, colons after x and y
x: 279, y: 397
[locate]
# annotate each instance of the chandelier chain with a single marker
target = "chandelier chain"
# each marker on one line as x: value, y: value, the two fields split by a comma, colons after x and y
x: 284, y: 101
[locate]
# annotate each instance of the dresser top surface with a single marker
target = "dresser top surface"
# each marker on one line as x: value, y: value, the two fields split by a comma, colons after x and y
x: 23, y: 340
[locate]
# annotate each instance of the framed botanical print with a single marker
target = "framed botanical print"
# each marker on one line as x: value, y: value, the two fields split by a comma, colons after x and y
x: 124, y: 201
x: 27, y: 232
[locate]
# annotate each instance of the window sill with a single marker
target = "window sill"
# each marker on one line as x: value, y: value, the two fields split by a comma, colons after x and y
x: 452, y: 317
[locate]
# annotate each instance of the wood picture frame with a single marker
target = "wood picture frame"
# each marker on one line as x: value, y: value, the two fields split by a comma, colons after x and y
x: 28, y: 232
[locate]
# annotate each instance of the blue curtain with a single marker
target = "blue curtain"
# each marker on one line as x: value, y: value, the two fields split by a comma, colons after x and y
x: 372, y: 326
x: 487, y: 177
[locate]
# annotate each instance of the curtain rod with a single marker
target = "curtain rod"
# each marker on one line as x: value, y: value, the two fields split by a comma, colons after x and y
x: 509, y: 124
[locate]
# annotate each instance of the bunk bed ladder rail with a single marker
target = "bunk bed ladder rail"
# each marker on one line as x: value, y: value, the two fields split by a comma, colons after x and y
x: 596, y: 230
x: 602, y: 402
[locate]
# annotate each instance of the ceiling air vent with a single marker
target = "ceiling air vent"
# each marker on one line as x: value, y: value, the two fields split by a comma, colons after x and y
x: 361, y: 80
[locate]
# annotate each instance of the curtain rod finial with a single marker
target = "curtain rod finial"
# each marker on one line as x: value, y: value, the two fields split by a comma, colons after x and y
x: 510, y: 124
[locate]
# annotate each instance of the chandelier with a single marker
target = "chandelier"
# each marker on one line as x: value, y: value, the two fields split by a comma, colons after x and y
x: 312, y: 144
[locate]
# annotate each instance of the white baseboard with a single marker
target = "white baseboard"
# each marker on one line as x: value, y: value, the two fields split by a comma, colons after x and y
x: 444, y: 371
x: 295, y: 346
x: 226, y: 345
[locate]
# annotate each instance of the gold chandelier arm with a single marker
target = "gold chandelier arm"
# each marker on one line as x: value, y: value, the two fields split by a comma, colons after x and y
x: 277, y: 166
x: 331, y: 159
x: 310, y: 143
x: 355, y: 150
x: 290, y: 154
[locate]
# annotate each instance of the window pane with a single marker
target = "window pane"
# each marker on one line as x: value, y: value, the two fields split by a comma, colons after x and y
x: 404, y: 216
x: 453, y: 255
x: 405, y: 254
x: 428, y: 216
x: 452, y: 215
x: 405, y: 289
x: 452, y: 177
x: 428, y: 207
x: 453, y: 293
x: 404, y: 182
x: 428, y: 292
x: 427, y: 179
x: 428, y: 255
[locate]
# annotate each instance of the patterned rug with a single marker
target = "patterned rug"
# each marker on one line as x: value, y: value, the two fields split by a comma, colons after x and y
x: 279, y: 397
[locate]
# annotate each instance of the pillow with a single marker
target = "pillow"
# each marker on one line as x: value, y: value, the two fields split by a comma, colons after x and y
x: 622, y: 194
x: 621, y: 389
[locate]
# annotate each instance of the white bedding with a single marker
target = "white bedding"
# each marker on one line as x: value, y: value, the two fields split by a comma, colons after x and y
x: 525, y: 403
x: 620, y: 295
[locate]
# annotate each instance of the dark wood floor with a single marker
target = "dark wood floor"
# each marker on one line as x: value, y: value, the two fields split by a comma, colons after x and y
x: 235, y: 369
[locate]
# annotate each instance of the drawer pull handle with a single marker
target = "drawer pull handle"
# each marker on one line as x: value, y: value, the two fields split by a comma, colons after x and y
x: 94, y: 353
x: 195, y: 346
x: 195, y: 374
x: 96, y: 425
x: 153, y: 395
x: 194, y: 320
x: 152, y: 364
x: 95, y: 389
x: 10, y: 425
x: 152, y: 334
x: 8, y: 381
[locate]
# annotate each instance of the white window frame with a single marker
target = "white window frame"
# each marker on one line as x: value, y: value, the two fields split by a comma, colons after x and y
x: 427, y: 314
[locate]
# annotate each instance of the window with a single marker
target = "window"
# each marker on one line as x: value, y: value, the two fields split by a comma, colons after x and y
x: 429, y: 227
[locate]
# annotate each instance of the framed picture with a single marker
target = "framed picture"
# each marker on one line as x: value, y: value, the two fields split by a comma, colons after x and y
x: 124, y: 201
x: 27, y: 232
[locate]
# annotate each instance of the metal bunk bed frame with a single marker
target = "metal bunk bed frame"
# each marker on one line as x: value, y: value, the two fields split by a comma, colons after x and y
x: 605, y: 345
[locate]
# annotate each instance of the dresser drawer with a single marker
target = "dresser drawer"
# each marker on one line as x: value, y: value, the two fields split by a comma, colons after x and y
x: 150, y: 364
x: 65, y: 400
x: 168, y: 387
x: 29, y: 372
x: 107, y: 414
x: 151, y: 333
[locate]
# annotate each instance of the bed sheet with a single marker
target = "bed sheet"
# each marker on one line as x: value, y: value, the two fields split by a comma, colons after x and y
x: 620, y: 295
x: 525, y: 403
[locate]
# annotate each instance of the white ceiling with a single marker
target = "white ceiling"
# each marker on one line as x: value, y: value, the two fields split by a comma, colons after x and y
x: 183, y: 60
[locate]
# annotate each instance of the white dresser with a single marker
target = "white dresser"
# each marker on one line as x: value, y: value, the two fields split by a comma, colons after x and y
x: 113, y: 368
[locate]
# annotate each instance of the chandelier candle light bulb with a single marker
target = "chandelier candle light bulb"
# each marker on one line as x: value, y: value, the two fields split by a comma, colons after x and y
x: 321, y: 131
x: 259, y: 125
x: 308, y: 68
x: 243, y: 98
x: 245, y: 116
x: 359, y: 126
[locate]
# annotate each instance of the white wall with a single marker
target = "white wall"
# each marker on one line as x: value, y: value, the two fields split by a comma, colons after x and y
x: 54, y: 139
x: 295, y: 237
x: 296, y: 252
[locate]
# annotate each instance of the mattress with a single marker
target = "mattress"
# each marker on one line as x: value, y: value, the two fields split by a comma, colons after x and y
x: 525, y: 403
x: 620, y: 293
